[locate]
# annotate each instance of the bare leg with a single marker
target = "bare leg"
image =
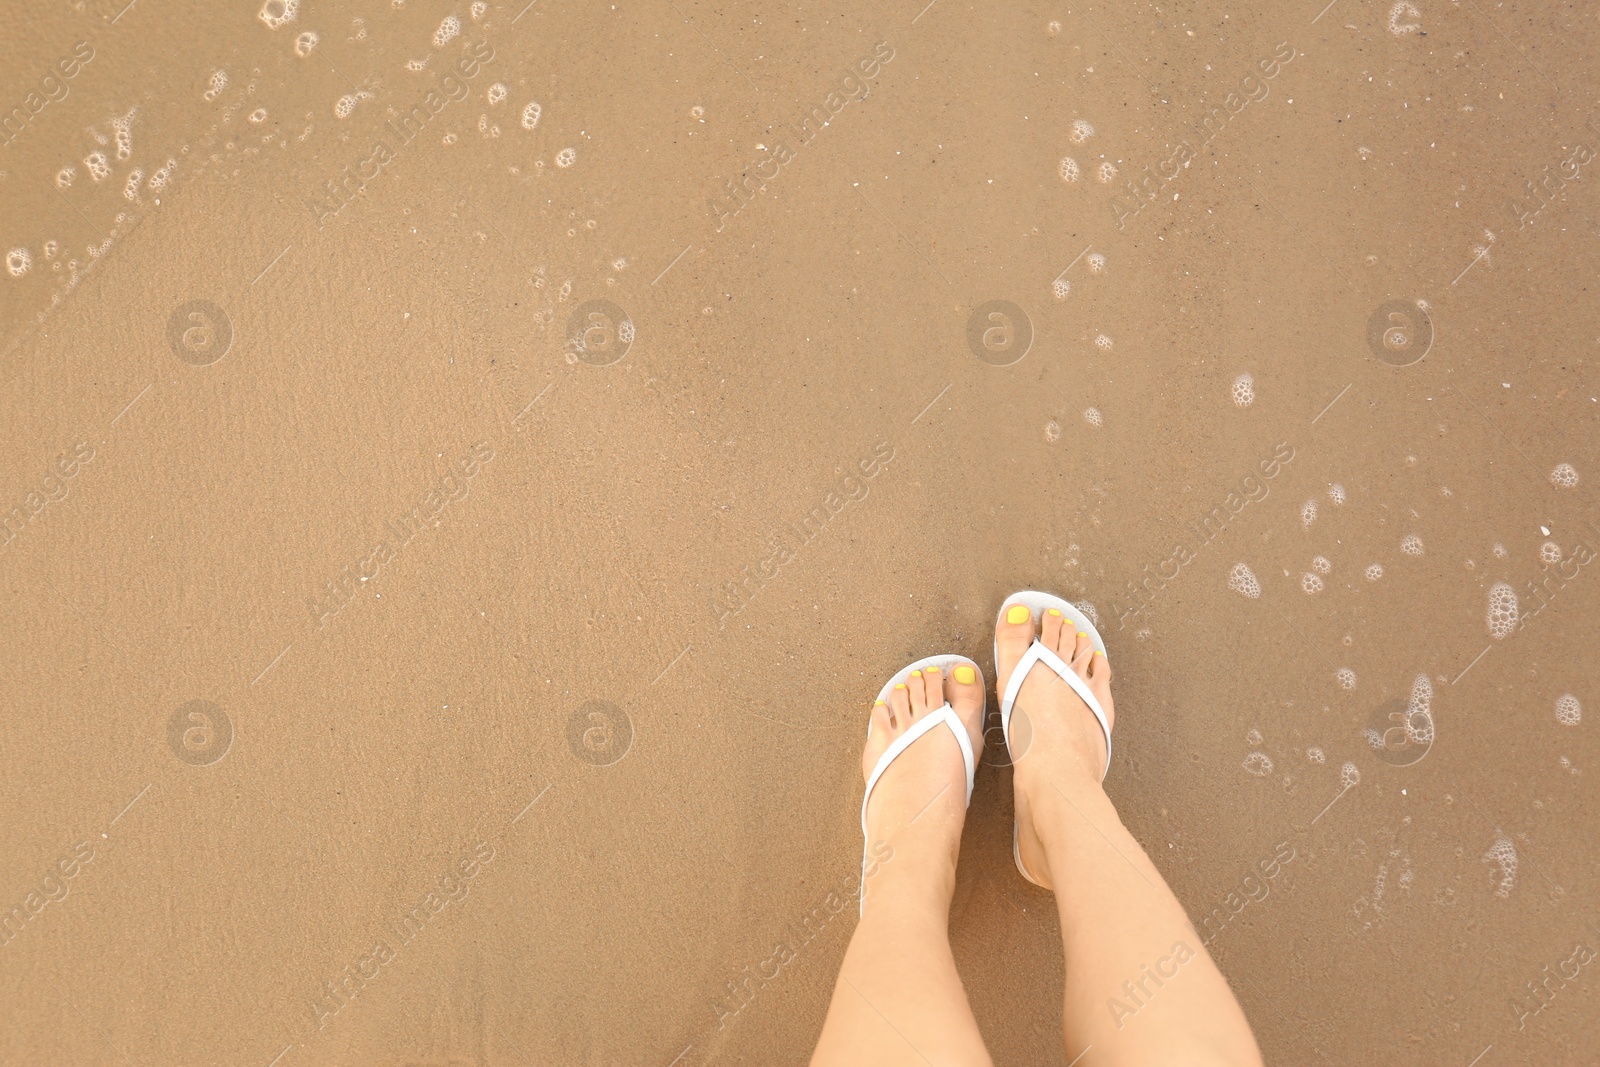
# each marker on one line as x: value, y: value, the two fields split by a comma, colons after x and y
x: 898, y: 998
x: 1140, y: 986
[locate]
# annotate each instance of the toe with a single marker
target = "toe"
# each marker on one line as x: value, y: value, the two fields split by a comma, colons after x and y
x: 918, y: 694
x: 1013, y: 635
x: 932, y: 688
x: 1051, y: 624
x: 1078, y: 652
x: 899, y: 707
x: 964, y: 690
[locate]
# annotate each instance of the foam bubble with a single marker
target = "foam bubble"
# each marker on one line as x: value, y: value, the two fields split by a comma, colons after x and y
x: 625, y: 331
x: 416, y: 66
x: 1103, y: 343
x: 530, y: 115
x: 1253, y: 738
x: 1412, y: 545
x: 1096, y: 262
x: 1565, y: 476
x: 1081, y: 131
x: 478, y: 10
x: 1568, y: 711
x: 1060, y: 288
x: 18, y: 262
x: 1105, y: 172
x: 1053, y: 28
x: 496, y: 93
x: 1336, y: 494
x: 1243, y: 580
x: 1404, y: 9
x: 130, y: 189
x: 1258, y: 764
x: 1550, y: 552
x: 1087, y: 607
x: 1503, y: 610
x: 566, y: 157
x: 1244, y: 390
x: 1316, y: 755
x: 64, y: 177
x: 620, y: 263
x: 448, y: 31
x: 1419, y: 712
x: 1092, y: 416
x: 1346, y: 678
x: 1349, y: 775
x: 306, y: 43
x: 1308, y: 513
x: 99, y: 168
x: 277, y: 12
x: 1504, y: 855
x: 697, y: 112
x: 1069, y: 169
x: 1310, y: 583
x: 1321, y: 565
x: 1052, y: 431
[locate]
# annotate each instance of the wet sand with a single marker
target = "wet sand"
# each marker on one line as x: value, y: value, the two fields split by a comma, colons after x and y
x: 467, y: 471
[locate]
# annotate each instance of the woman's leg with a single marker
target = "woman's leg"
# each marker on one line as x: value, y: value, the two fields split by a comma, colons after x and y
x: 898, y: 998
x: 1141, y: 988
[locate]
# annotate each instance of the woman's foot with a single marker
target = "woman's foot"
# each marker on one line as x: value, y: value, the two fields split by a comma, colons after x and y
x: 919, y: 805
x: 1055, y: 739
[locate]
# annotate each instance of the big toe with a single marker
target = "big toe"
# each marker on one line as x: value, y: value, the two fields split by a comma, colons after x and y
x: 1013, y: 634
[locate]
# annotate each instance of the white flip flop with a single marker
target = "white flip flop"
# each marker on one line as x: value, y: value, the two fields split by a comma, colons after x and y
x: 1038, y: 603
x: 930, y: 721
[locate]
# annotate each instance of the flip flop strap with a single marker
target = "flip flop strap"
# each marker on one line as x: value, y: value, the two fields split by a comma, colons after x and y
x: 1037, y: 653
x: 945, y: 715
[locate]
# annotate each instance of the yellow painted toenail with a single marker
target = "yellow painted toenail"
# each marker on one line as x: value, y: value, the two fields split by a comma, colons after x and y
x: 1018, y: 613
x: 900, y: 685
x: 1056, y: 612
x: 878, y: 704
x: 916, y: 674
x: 1098, y: 652
x: 1082, y: 634
x: 965, y: 675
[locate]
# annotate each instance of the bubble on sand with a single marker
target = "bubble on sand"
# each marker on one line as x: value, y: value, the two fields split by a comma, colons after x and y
x: 276, y: 12
x: 1336, y: 494
x: 1092, y: 416
x: 258, y: 116
x: 99, y: 168
x: 158, y: 180
x: 1105, y: 172
x: 1310, y: 583
x: 122, y: 131
x: 64, y: 177
x: 1088, y: 608
x: 416, y: 66
x: 1503, y: 610
x: 1052, y: 431
x: 530, y: 115
x: 306, y: 43
x: 1053, y: 28
x: 1069, y: 169
x: 478, y: 10
x: 620, y: 263
x: 347, y: 103
x: 1060, y: 288
x: 1253, y: 738
x: 497, y: 93
x: 1346, y: 678
x: 1103, y: 343
x: 1349, y: 775
x: 1081, y: 131
x: 1568, y: 711
x: 18, y: 262
x: 448, y: 31
x: 697, y: 112
x: 1308, y: 513
x: 218, y: 82
x: 1258, y: 764
x: 1097, y: 263
x: 1499, y: 550
x: 1565, y: 476
x: 1503, y: 854
x: 1244, y: 390
x: 1243, y: 580
x: 1321, y: 565
x: 130, y: 188
x: 1412, y: 545
x: 1316, y: 755
x: 566, y: 157
x: 1404, y: 9
x: 1550, y: 552
x: 1419, y: 712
